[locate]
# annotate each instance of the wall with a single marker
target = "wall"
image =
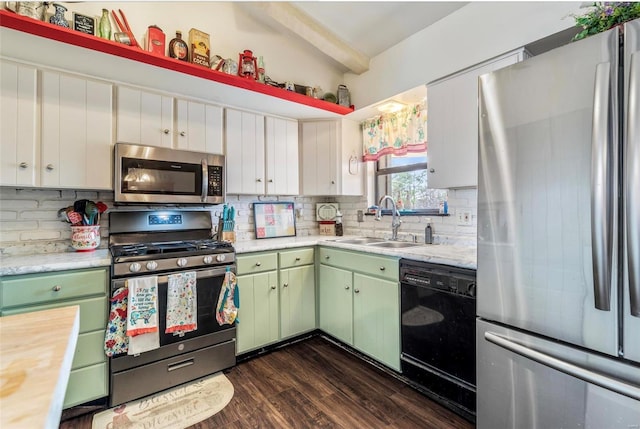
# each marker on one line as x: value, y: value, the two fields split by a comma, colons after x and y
x: 472, y: 34
x: 231, y: 30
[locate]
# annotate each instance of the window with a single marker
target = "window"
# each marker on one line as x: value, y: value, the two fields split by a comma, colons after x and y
x: 404, y: 178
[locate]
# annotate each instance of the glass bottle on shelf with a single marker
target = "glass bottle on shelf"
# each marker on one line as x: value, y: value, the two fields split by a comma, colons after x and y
x: 261, y: 72
x: 104, y: 28
x: 178, y: 48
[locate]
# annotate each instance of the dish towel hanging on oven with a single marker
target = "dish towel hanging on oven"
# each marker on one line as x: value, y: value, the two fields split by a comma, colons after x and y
x: 182, y: 305
x: 142, y: 314
x: 115, y: 337
x: 229, y: 300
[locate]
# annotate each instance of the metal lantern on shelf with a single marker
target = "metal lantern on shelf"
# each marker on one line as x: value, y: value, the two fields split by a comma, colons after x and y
x: 247, y: 65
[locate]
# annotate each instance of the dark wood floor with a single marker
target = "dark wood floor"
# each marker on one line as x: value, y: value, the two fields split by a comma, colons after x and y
x: 315, y: 384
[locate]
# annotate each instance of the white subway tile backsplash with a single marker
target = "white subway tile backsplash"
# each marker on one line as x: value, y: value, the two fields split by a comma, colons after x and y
x: 40, y: 234
x: 19, y: 204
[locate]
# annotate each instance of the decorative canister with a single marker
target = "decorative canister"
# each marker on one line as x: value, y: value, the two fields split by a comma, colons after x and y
x: 85, y: 238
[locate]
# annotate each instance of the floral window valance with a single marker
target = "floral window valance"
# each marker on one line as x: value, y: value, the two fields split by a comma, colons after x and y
x: 395, y: 133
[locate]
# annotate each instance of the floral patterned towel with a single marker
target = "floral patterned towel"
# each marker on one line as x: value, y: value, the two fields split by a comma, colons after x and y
x: 142, y: 310
x: 182, y: 305
x: 115, y: 338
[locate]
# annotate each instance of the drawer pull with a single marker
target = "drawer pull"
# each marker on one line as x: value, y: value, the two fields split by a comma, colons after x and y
x: 382, y: 268
x: 258, y: 264
x: 56, y: 288
x: 179, y: 365
x: 273, y: 287
x: 297, y: 259
x: 356, y: 290
x: 346, y: 287
x: 166, y: 131
x: 326, y: 257
x: 285, y: 285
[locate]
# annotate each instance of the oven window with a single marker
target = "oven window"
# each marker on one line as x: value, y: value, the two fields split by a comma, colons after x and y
x: 160, y: 177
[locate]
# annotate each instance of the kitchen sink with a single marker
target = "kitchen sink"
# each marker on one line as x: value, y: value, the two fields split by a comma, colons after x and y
x: 360, y: 240
x: 392, y: 244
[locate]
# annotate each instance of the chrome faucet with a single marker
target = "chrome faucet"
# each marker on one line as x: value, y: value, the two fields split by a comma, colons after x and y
x: 395, y: 221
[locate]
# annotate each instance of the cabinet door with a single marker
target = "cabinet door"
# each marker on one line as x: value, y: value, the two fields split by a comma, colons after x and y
x: 351, y: 177
x: 77, y: 117
x: 453, y: 127
x: 258, y: 312
x: 376, y: 319
x: 19, y: 158
x: 244, y: 149
x: 319, y: 158
x: 282, y: 156
x: 297, y: 301
x: 144, y: 117
x: 336, y: 299
x: 199, y: 127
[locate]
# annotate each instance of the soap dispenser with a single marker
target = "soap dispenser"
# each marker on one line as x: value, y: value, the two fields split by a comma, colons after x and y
x: 428, y: 232
x: 339, y: 230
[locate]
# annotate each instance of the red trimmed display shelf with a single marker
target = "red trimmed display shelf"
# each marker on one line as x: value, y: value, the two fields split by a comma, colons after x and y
x: 75, y: 38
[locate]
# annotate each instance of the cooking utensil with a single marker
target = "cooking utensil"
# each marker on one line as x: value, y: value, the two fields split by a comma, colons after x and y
x: 62, y: 215
x: 91, y: 210
x: 124, y: 28
x: 79, y: 206
x: 75, y: 218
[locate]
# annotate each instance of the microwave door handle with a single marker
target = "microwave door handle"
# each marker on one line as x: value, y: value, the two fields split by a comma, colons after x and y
x: 205, y: 181
x: 632, y: 183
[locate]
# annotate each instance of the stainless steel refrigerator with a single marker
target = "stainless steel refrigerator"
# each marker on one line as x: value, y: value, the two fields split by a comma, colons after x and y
x: 558, y: 327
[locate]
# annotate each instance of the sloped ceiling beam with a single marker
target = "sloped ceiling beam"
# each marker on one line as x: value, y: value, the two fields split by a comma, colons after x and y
x: 301, y: 24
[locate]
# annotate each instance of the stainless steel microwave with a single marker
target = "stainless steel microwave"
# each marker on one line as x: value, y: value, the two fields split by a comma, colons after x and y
x: 150, y: 174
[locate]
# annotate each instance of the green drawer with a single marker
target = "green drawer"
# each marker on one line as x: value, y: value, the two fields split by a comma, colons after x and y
x: 89, y: 349
x: 93, y: 312
x: 52, y: 287
x: 86, y: 384
x: 296, y: 258
x: 257, y: 262
x: 373, y: 265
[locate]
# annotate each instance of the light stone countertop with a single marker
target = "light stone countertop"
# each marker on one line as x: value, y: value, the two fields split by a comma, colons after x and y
x: 48, y: 262
x: 456, y: 255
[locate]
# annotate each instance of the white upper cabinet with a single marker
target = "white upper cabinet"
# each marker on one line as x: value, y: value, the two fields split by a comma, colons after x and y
x: 19, y: 150
x: 452, y: 106
x: 154, y: 119
x: 244, y: 149
x: 199, y: 126
x: 282, y: 177
x: 331, y: 154
x: 77, y: 136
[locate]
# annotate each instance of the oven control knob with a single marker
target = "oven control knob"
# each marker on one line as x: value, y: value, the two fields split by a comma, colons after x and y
x: 182, y: 262
x: 135, y: 267
x: 207, y: 259
x: 220, y: 258
x: 152, y: 265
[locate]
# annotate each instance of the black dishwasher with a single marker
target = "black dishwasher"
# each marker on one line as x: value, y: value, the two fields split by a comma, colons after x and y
x: 438, y: 308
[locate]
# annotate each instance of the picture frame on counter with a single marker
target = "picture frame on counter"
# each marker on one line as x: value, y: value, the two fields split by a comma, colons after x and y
x: 274, y: 219
x: 84, y: 24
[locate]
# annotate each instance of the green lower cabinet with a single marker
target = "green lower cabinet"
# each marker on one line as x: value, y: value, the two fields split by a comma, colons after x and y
x: 258, y: 314
x: 86, y: 384
x: 376, y: 319
x: 297, y: 301
x: 336, y: 303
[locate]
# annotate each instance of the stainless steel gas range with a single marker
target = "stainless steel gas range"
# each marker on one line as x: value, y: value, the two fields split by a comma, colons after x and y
x: 161, y: 243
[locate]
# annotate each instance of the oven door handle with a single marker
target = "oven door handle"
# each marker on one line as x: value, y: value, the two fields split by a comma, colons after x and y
x: 200, y: 274
x: 205, y: 181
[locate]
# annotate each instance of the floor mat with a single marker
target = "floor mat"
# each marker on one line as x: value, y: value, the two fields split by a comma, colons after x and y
x: 175, y: 408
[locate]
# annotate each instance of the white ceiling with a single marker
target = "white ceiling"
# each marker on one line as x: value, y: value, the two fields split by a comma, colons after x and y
x: 373, y: 27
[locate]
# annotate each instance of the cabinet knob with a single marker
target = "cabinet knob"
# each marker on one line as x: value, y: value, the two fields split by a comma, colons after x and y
x: 432, y: 170
x: 273, y: 288
x: 270, y: 180
x: 356, y: 290
x: 285, y: 285
x: 346, y: 287
x: 182, y: 133
x: 56, y: 288
x: 333, y: 182
x: 382, y: 268
x: 297, y: 258
x: 326, y: 257
x: 23, y: 165
x: 49, y: 167
x: 166, y: 131
x: 258, y: 263
x: 258, y: 180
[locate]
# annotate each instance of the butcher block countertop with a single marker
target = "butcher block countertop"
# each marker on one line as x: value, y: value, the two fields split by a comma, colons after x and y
x: 35, y: 360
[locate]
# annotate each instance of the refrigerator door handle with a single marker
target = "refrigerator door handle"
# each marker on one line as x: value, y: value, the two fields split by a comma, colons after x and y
x: 570, y: 369
x: 632, y: 181
x: 601, y: 203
